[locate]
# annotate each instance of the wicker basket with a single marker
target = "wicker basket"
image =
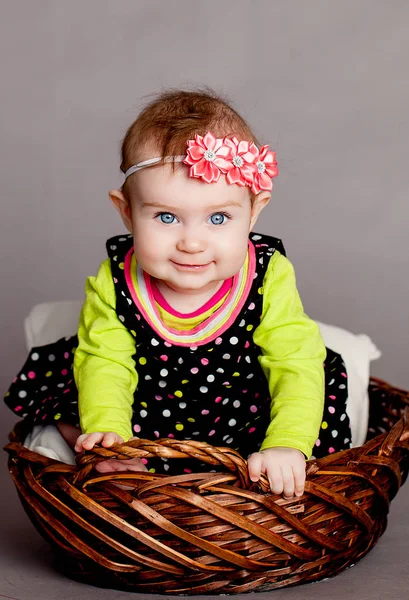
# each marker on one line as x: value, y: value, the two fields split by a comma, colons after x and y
x: 215, y: 532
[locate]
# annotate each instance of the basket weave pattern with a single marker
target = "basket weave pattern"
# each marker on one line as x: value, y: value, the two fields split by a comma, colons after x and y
x: 215, y: 532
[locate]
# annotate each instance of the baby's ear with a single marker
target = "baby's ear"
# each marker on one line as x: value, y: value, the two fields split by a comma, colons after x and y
x: 123, y: 207
x: 257, y: 205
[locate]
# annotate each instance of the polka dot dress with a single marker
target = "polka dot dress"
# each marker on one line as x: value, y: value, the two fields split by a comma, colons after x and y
x: 44, y: 390
x: 215, y: 392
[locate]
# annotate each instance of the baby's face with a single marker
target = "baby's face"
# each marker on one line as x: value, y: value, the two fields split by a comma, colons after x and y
x: 189, y: 234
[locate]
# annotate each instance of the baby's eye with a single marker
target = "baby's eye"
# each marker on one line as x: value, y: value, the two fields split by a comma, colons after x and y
x: 218, y: 219
x: 166, y: 218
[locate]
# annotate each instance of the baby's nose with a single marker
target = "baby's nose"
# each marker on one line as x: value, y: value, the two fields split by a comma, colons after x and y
x: 192, y: 241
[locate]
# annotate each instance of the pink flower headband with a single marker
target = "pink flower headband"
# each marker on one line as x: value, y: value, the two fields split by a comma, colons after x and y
x: 242, y: 162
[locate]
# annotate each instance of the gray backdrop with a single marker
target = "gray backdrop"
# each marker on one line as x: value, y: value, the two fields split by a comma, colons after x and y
x: 325, y: 82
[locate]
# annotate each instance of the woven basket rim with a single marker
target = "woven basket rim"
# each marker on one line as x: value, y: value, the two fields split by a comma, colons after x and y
x: 170, y: 448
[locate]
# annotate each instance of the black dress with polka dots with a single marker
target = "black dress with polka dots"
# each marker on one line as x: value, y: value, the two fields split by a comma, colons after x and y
x: 214, y: 392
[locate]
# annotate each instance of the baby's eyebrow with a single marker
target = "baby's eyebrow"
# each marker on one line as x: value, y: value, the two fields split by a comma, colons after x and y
x: 211, y: 208
x: 155, y: 205
x: 231, y: 203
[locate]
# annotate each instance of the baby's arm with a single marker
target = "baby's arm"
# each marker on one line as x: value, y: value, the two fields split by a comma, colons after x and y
x: 292, y: 356
x: 104, y: 369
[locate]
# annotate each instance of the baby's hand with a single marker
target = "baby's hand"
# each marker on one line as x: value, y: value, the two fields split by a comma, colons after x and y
x: 87, y: 441
x: 284, y: 467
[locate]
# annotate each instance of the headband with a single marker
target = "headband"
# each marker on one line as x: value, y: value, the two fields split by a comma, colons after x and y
x: 242, y: 162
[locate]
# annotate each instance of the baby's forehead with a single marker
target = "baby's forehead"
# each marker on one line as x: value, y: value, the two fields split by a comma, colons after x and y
x: 172, y: 183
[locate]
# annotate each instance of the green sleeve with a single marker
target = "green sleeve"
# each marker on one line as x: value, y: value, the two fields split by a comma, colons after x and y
x: 292, y: 356
x: 104, y: 369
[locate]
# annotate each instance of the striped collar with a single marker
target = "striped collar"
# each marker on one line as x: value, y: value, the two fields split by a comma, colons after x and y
x: 140, y: 288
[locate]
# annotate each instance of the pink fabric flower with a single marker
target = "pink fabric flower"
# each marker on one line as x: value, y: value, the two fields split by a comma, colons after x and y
x: 243, y: 155
x: 266, y: 169
x: 208, y: 156
x: 242, y: 162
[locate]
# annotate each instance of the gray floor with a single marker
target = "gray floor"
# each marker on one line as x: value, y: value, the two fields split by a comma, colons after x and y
x: 26, y: 571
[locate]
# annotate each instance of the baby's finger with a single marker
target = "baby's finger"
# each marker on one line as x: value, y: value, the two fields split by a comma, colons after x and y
x: 111, y: 465
x: 288, y: 481
x: 275, y: 478
x: 255, y: 463
x: 78, y: 442
x: 299, y: 479
x: 135, y: 465
x: 87, y: 441
x: 108, y: 466
x: 110, y: 438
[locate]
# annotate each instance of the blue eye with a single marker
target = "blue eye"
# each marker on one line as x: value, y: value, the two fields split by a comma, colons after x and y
x: 166, y: 218
x: 218, y: 219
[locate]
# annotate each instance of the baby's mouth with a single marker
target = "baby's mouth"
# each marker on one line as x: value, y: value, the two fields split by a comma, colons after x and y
x: 190, y: 267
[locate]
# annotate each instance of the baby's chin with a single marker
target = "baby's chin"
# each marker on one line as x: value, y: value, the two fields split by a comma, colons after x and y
x: 189, y: 284
x: 186, y: 278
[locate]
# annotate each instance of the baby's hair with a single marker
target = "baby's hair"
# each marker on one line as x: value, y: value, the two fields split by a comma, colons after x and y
x: 175, y: 116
